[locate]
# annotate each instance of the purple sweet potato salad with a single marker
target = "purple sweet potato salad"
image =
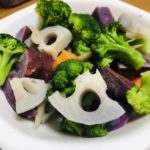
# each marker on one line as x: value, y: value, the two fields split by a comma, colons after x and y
x: 92, y: 70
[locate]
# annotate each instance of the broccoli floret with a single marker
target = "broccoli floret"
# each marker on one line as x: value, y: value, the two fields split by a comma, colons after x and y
x: 53, y: 12
x: 72, y: 127
x: 139, y: 97
x: 68, y: 91
x: 86, y: 66
x: 66, y: 72
x: 10, y: 50
x: 83, y: 130
x: 80, y: 47
x: 72, y: 68
x: 105, y: 62
x: 60, y: 80
x: 84, y: 24
x: 85, y: 31
x: 95, y: 131
x: 112, y: 45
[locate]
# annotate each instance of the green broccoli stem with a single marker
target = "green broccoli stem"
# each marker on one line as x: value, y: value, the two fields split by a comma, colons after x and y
x: 0, y: 58
x: 121, y: 50
x: 105, y: 62
x: 140, y: 44
x: 129, y: 55
x: 5, y: 66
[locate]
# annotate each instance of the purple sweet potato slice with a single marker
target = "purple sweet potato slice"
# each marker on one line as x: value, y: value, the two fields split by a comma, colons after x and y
x: 24, y: 33
x: 118, y: 123
x: 30, y: 114
x: 8, y: 91
x: 117, y: 84
x: 35, y: 64
x: 117, y: 87
x: 103, y: 15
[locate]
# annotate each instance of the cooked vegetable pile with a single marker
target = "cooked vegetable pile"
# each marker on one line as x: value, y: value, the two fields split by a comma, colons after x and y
x: 92, y: 70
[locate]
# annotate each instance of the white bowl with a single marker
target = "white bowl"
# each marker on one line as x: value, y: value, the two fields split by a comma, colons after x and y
x: 18, y: 134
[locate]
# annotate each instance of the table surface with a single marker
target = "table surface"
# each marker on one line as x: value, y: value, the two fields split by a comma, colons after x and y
x: 144, y: 4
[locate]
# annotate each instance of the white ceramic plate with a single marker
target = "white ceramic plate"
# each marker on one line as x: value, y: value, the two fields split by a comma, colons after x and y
x: 18, y: 134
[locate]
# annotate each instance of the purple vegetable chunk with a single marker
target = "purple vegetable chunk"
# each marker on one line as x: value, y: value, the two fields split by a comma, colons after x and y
x: 117, y: 84
x: 8, y: 90
x: 35, y: 64
x: 118, y: 123
x: 30, y: 114
x: 103, y: 15
x: 24, y: 33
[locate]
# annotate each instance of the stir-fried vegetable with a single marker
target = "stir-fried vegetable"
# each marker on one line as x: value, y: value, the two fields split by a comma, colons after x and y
x: 66, y: 72
x: 85, y: 31
x: 112, y: 45
x: 139, y: 97
x: 10, y: 51
x: 53, y: 12
x: 83, y: 130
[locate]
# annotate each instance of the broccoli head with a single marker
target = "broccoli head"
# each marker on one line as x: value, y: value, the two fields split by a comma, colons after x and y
x: 53, y: 12
x: 97, y: 130
x: 85, y: 31
x: 84, y: 24
x: 83, y: 130
x: 60, y: 80
x: 80, y: 47
x: 10, y: 50
x: 86, y: 66
x: 139, y: 97
x: 66, y: 72
x: 72, y: 127
x: 112, y: 45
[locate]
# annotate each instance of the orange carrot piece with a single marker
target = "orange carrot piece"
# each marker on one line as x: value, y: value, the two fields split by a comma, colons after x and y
x: 137, y: 81
x: 65, y: 55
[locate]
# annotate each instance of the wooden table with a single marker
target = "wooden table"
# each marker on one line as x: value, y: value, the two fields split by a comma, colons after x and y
x: 144, y: 4
x: 7, y: 11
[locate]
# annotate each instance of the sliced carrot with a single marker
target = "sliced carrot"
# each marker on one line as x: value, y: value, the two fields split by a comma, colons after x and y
x: 137, y: 81
x: 65, y: 55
